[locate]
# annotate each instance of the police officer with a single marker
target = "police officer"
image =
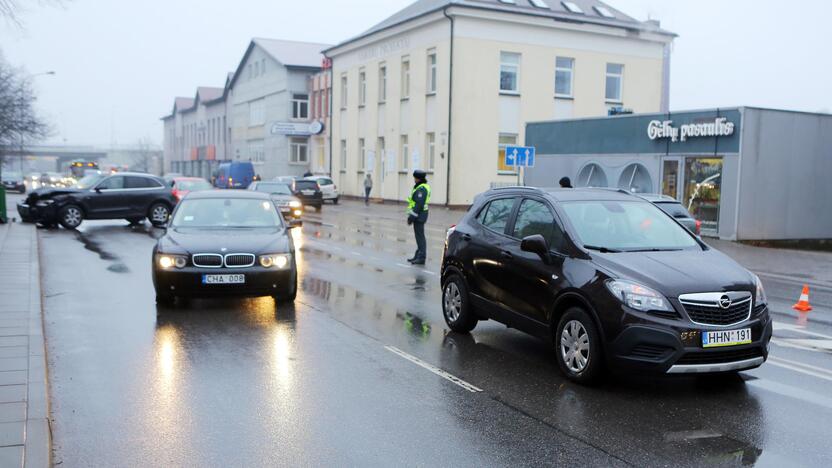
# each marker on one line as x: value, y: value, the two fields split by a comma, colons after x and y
x: 417, y: 214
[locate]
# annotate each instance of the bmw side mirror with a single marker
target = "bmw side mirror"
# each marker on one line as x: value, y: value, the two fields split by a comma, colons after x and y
x: 97, y: 190
x: 157, y: 232
x: 536, y: 244
x: 295, y: 223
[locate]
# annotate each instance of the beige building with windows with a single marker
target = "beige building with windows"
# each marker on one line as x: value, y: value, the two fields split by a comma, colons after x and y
x: 444, y: 86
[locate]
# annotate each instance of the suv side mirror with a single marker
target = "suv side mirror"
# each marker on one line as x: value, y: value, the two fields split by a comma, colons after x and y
x: 97, y: 190
x: 295, y: 223
x: 537, y: 244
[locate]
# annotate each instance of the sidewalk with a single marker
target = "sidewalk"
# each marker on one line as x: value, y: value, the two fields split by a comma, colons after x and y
x: 798, y: 266
x: 24, y: 408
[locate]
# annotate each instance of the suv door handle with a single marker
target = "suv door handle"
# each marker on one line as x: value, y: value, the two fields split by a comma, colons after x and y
x: 507, y: 255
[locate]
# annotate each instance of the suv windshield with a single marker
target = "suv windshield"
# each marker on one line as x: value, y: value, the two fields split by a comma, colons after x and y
x: 626, y: 226
x: 273, y: 188
x: 228, y: 212
x: 88, y: 181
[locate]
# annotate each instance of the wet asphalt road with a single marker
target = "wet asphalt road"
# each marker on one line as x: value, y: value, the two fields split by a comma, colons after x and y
x: 332, y: 379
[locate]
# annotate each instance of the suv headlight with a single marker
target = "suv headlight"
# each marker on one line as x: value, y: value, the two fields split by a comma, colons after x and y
x: 166, y: 262
x: 637, y: 296
x: 294, y: 204
x: 760, y: 297
x: 44, y: 203
x: 279, y: 261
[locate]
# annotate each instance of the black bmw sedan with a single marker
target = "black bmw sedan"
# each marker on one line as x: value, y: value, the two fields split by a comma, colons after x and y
x: 612, y: 281
x: 225, y: 243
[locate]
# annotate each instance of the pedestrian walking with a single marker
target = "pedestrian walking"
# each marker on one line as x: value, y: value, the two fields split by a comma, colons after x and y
x: 565, y: 182
x: 417, y: 214
x: 368, y: 187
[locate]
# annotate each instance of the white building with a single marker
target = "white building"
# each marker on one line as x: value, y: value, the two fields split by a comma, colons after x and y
x: 445, y: 85
x: 262, y: 114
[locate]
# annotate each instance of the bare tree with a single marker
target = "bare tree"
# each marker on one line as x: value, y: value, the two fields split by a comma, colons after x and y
x: 19, y: 123
x: 144, y: 156
x: 11, y: 10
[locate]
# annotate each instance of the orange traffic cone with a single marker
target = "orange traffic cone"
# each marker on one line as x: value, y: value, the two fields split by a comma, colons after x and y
x: 803, y: 303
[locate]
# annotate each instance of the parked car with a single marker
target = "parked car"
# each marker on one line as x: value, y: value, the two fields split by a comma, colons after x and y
x: 281, y: 194
x: 13, y: 181
x: 328, y: 188
x: 221, y: 243
x: 184, y: 185
x: 309, y: 193
x: 608, y: 278
x: 234, y: 175
x: 124, y: 195
x: 286, y: 179
x: 51, y: 179
x: 675, y: 209
x: 168, y: 178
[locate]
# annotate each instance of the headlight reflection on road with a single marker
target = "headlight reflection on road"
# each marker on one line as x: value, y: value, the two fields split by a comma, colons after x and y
x: 281, y: 356
x: 166, y: 356
x: 297, y: 238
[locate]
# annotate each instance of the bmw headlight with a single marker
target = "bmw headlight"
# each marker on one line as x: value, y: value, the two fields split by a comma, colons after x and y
x: 760, y: 297
x: 637, y: 296
x: 279, y: 261
x: 44, y: 203
x: 294, y: 204
x: 166, y: 262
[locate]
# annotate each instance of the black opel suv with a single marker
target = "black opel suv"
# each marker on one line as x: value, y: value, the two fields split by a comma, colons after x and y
x: 613, y: 282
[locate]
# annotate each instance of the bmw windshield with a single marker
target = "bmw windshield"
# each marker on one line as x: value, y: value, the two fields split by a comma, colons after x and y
x: 226, y: 213
x: 626, y: 226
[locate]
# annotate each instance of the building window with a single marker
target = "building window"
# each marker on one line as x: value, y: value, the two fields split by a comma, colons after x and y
x: 431, y: 83
x: 362, y: 87
x: 257, y: 112
x: 256, y: 151
x: 344, y: 91
x: 430, y: 149
x: 343, y: 155
x: 300, y: 106
x: 380, y: 147
x: 636, y: 178
x: 592, y: 175
x: 509, y: 72
x: 263, y: 67
x: 223, y: 129
x: 405, y: 77
x: 615, y: 78
x: 382, y: 83
x: 298, y: 150
x: 362, y: 155
x: 563, y: 76
x: 506, y: 139
x: 250, y: 71
x: 405, y: 155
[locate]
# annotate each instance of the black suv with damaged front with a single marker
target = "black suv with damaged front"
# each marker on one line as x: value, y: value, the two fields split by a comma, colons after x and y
x: 120, y: 196
x: 613, y: 282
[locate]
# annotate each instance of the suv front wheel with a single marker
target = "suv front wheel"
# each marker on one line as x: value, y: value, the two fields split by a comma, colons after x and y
x: 578, y: 347
x: 456, y: 305
x: 70, y: 216
x: 159, y: 214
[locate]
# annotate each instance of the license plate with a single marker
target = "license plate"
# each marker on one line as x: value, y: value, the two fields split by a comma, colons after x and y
x: 716, y: 339
x: 308, y: 192
x: 285, y: 209
x: 223, y: 279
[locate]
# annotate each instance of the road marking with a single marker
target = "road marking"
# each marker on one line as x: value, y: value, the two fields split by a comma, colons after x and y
x: 449, y: 377
x: 404, y: 266
x: 682, y: 436
x: 809, y: 344
x: 801, y: 368
x: 429, y: 272
x: 799, y: 329
x: 803, y: 365
x: 790, y: 391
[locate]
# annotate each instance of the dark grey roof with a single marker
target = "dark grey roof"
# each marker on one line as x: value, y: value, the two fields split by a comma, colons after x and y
x: 556, y: 10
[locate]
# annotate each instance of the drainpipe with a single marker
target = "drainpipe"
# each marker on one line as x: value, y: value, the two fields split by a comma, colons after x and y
x: 450, y: 110
x: 328, y: 90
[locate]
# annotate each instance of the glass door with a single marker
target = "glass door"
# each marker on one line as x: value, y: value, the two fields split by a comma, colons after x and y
x: 671, y: 177
x: 703, y: 190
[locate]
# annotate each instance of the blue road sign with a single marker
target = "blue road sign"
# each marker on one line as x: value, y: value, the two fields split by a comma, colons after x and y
x: 520, y: 156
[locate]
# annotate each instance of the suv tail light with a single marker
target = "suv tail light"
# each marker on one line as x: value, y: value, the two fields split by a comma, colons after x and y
x: 698, y: 227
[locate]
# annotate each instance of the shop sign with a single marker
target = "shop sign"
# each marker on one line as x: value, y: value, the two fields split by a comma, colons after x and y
x: 657, y: 129
x: 292, y: 128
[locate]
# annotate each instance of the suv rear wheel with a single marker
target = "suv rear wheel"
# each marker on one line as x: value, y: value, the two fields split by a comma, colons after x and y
x: 578, y: 347
x: 456, y: 305
x: 71, y: 216
x: 158, y: 214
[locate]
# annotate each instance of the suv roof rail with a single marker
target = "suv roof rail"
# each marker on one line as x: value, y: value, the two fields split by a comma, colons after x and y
x: 518, y: 187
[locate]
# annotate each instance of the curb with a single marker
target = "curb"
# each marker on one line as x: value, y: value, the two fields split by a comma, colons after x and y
x: 38, y: 437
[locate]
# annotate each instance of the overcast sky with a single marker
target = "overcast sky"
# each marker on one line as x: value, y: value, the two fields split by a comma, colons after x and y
x: 119, y: 64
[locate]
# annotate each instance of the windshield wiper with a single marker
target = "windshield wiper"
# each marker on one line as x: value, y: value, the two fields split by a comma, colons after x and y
x: 601, y: 249
x: 653, y: 249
